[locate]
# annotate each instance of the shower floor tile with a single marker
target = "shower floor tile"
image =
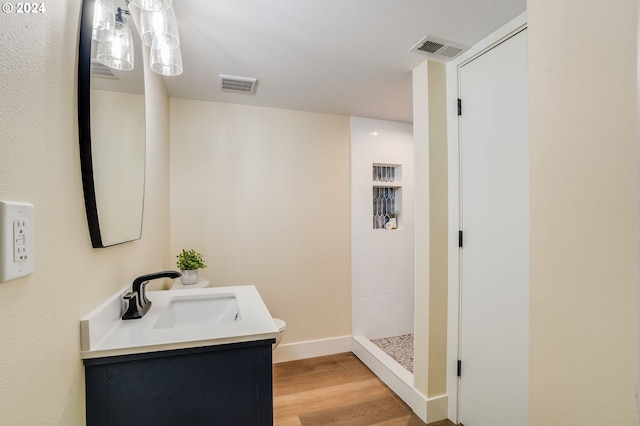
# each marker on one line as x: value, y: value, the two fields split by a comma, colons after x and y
x: 399, y: 348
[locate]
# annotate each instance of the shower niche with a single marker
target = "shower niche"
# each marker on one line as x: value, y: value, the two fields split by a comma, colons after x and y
x: 386, y: 195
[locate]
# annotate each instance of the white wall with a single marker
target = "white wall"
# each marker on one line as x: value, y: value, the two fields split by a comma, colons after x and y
x: 263, y: 194
x: 41, y: 373
x: 382, y: 260
x: 584, y: 212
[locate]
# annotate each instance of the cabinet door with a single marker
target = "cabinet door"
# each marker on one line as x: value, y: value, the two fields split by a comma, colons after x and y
x: 189, y: 387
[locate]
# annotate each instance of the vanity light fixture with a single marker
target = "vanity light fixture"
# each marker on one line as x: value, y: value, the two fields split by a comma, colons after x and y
x: 118, y: 53
x: 158, y: 29
x: 104, y: 21
x: 166, y: 60
x: 159, y: 26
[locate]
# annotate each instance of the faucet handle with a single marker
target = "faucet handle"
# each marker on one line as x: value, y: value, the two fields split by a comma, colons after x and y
x: 133, y: 311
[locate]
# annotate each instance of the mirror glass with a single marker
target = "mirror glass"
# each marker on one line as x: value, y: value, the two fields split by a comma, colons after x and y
x: 111, y: 118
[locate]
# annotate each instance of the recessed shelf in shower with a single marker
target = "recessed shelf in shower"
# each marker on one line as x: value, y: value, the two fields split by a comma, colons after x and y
x: 387, y: 190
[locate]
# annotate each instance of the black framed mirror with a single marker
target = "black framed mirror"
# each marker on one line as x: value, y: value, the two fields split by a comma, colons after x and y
x: 112, y: 135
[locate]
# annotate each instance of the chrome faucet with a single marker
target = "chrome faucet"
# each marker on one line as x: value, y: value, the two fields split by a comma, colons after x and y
x: 137, y: 303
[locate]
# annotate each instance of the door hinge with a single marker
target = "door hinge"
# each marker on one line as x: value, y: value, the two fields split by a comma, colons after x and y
x: 459, y: 368
x: 459, y: 106
x: 460, y: 239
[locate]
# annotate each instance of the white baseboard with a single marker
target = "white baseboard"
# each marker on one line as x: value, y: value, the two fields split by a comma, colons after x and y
x: 399, y: 380
x: 312, y: 348
x: 437, y: 408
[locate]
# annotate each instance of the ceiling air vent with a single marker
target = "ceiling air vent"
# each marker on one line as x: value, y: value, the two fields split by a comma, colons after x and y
x: 438, y: 49
x: 230, y: 83
x: 99, y: 70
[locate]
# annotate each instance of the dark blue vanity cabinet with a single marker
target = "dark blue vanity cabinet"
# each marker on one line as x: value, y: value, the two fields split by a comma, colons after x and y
x: 215, y: 385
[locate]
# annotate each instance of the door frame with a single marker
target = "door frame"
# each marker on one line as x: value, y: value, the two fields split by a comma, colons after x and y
x: 453, y: 154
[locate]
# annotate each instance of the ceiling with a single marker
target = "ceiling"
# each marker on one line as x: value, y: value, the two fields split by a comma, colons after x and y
x: 346, y: 57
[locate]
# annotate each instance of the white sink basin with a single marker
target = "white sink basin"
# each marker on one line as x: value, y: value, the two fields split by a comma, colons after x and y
x: 199, y: 310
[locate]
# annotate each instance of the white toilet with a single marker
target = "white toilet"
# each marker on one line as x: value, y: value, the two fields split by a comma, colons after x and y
x: 281, y: 327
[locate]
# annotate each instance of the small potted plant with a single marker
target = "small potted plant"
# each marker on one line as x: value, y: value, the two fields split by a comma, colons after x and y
x: 189, y: 263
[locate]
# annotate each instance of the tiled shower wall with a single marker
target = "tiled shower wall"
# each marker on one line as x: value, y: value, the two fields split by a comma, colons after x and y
x: 381, y: 260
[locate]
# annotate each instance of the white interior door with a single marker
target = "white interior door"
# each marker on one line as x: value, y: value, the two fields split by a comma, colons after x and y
x: 494, y: 203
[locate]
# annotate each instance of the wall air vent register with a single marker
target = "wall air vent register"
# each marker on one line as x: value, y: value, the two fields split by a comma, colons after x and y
x: 230, y: 83
x: 439, y: 49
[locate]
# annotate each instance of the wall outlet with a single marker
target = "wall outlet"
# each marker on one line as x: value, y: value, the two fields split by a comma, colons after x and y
x: 16, y: 240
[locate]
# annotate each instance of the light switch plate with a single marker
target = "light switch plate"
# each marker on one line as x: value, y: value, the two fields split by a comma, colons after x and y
x: 17, y: 257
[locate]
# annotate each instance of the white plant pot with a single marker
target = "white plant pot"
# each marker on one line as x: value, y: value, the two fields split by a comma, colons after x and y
x: 189, y: 276
x: 392, y: 223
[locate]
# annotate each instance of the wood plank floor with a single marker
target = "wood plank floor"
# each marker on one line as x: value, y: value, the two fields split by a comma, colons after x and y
x: 336, y: 390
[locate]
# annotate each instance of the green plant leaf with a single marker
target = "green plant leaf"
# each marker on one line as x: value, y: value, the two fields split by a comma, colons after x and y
x: 190, y: 260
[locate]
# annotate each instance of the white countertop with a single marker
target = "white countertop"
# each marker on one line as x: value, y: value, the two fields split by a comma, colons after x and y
x: 104, y: 334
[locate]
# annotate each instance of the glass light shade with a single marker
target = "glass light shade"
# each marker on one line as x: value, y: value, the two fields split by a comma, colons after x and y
x: 104, y: 20
x: 160, y: 26
x: 166, y: 60
x: 152, y: 4
x: 117, y: 53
